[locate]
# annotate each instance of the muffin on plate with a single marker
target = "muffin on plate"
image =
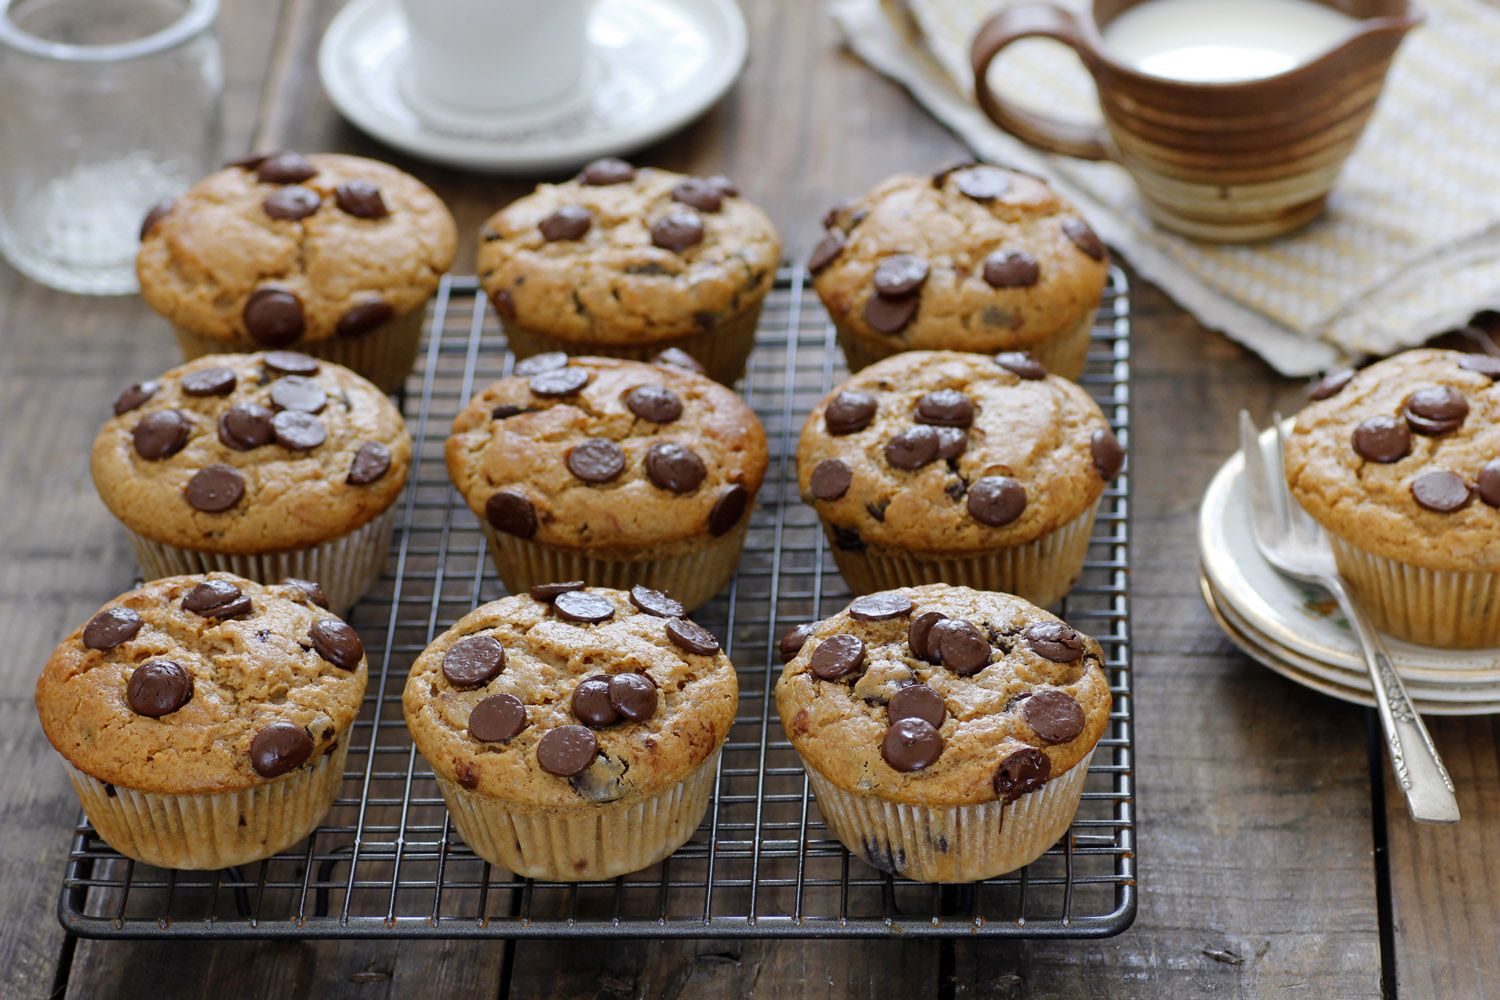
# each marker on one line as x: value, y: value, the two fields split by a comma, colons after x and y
x: 946, y: 732
x: 941, y: 467
x: 612, y: 472
x: 575, y: 733
x: 625, y: 262
x: 204, y: 720
x: 265, y: 465
x: 973, y: 258
x: 333, y: 255
x: 1400, y: 463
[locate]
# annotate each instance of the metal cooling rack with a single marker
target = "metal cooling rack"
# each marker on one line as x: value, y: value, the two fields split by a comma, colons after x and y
x: 387, y: 862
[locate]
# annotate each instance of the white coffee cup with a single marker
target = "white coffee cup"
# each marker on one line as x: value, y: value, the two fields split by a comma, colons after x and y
x: 478, y: 56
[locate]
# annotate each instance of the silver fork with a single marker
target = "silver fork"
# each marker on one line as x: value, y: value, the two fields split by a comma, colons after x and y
x: 1294, y: 544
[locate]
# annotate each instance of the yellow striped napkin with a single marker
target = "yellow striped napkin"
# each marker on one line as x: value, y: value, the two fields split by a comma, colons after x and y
x: 1409, y: 246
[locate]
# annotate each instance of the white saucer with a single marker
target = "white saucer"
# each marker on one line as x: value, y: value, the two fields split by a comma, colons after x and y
x: 655, y: 65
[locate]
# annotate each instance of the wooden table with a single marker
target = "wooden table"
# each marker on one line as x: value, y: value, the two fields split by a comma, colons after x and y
x: 1275, y: 855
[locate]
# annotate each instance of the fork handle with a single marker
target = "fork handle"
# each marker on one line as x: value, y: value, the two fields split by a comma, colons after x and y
x: 1414, y: 759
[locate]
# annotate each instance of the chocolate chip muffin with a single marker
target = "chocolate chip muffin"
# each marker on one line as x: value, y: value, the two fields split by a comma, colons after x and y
x: 265, y: 465
x: 935, y: 466
x: 204, y: 720
x: 1401, y: 464
x: 611, y: 472
x: 946, y: 731
x: 625, y: 262
x: 973, y: 258
x: 333, y: 255
x: 575, y: 733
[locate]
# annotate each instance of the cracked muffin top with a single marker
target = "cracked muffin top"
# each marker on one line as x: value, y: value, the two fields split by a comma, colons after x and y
x: 571, y: 694
x: 245, y: 453
x: 621, y: 255
x: 937, y: 451
x: 605, y: 454
x: 940, y: 695
x: 202, y: 684
x: 973, y: 258
x: 1403, y: 458
x: 289, y: 248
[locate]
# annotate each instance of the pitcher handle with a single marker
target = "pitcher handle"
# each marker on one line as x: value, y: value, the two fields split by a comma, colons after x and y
x: 1033, y: 20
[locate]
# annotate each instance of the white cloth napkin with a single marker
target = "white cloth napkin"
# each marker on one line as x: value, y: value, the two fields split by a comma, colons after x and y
x: 1409, y: 246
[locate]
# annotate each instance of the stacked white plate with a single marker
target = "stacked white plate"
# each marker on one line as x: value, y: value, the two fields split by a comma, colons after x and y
x: 1299, y: 632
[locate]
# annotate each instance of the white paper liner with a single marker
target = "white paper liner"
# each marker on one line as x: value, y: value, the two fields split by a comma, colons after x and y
x: 1446, y: 608
x: 1063, y: 354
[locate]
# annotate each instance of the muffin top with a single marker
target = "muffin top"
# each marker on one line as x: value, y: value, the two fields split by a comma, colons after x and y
x: 941, y: 452
x: 940, y: 695
x: 610, y: 455
x: 620, y: 255
x: 202, y: 684
x: 571, y: 694
x: 1403, y: 459
x: 245, y: 453
x: 289, y: 248
x: 974, y: 258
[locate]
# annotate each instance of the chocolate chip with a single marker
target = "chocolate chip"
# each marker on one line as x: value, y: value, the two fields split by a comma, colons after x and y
x: 214, y: 488
x: 1440, y: 491
x: 273, y: 316
x: 547, y: 592
x: 728, y: 509
x: 290, y: 363
x: 309, y: 590
x: 570, y: 222
x: 371, y: 463
x: 473, y: 661
x: 505, y: 411
x: 361, y: 199
x: 917, y: 701
x: 996, y: 500
x: 912, y: 448
x: 890, y: 315
x: 900, y: 275
x: 1485, y: 364
x: 688, y: 635
x: 154, y: 215
x: 1489, y: 483
x: 583, y: 607
x: 337, y: 643
x: 705, y: 196
x: 590, y: 703
x: 952, y: 442
x: 292, y: 202
x: 364, y: 316
x: 1383, y: 439
x: 567, y: 750
x: 677, y: 230
x: 1109, y: 457
x: 245, y: 426
x: 249, y: 162
x: 559, y: 382
x: 830, y: 479
x: 1011, y: 269
x: 110, y: 627
x: 1022, y: 771
x: 676, y: 357
x: 654, y: 602
x: 982, y: 183
x: 725, y: 186
x: 1436, y: 410
x: 848, y: 413
x: 538, y: 363
x: 1331, y: 384
x: 297, y: 430
x: 791, y: 644
x: 879, y: 607
x: 285, y: 168
x: 1054, y: 641
x: 673, y: 467
x: 1083, y: 237
x: 497, y: 718
x: 1053, y: 715
x: 297, y: 392
x: 959, y: 646
x: 161, y: 434
x: 837, y: 656
x: 216, y: 599
x: 1022, y: 365
x: 279, y: 748
x: 606, y: 171
x: 945, y: 408
x: 135, y: 396
x: 919, y: 635
x: 597, y: 460
x: 504, y: 303
x: 510, y: 512
x: 633, y: 696
x: 847, y: 540
x: 829, y: 247
x: 911, y: 744
x: 655, y: 403
x: 158, y: 688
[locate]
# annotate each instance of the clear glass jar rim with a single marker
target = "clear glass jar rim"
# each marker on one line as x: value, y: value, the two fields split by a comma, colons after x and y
x: 198, y: 17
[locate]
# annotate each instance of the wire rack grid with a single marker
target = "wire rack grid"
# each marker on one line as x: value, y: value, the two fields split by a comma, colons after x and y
x: 387, y: 862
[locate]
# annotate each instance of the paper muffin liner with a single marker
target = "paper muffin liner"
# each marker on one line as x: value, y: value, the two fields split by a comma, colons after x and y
x: 217, y: 830
x: 951, y: 843
x: 693, y: 577
x: 1062, y: 354
x: 345, y: 567
x: 385, y: 355
x: 722, y: 351
x: 1042, y: 571
x: 1447, y: 608
x: 586, y: 841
